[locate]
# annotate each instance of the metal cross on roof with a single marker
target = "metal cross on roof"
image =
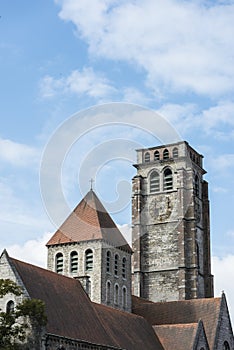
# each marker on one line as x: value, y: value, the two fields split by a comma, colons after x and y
x: 91, y: 183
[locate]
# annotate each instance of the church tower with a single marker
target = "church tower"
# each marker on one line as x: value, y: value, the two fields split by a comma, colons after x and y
x: 171, y: 232
x: 89, y: 246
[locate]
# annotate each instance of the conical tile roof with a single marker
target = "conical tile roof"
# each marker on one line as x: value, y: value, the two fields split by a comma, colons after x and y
x: 89, y: 221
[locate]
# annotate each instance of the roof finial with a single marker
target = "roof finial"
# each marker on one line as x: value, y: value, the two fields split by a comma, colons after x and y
x: 91, y: 183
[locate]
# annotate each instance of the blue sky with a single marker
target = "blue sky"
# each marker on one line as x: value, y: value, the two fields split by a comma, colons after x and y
x: 58, y: 58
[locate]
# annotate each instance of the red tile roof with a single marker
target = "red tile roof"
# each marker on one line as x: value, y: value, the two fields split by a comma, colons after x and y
x: 89, y: 221
x: 181, y: 312
x: 71, y: 313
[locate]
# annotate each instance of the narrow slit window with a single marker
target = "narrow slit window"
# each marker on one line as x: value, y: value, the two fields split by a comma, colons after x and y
x: 59, y: 263
x: 116, y: 295
x: 108, y: 292
x: 124, y: 297
x: 167, y: 180
x: 116, y: 265
x: 89, y: 260
x: 108, y: 260
x: 124, y: 268
x: 154, y: 182
x: 74, y: 262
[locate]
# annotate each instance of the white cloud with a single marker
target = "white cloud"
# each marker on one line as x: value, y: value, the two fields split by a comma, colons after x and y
x: 216, y: 120
x: 16, y: 153
x: 132, y: 95
x: 180, y: 45
x: 32, y: 251
x: 222, y: 164
x: 223, y: 278
x: 78, y: 82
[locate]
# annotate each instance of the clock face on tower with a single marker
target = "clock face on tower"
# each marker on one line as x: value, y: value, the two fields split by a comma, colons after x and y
x: 161, y: 208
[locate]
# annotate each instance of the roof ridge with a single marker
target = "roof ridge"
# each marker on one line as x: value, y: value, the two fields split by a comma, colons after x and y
x: 89, y: 220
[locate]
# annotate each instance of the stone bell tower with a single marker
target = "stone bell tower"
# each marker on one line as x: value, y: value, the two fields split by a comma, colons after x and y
x: 171, y: 231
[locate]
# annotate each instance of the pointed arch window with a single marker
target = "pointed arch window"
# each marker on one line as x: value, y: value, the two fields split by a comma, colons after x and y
x: 10, y: 307
x: 108, y: 261
x: 124, y: 268
x: 175, y: 152
x: 124, y: 297
x: 154, y: 182
x: 116, y: 264
x: 156, y: 155
x: 167, y: 180
x: 108, y: 292
x: 166, y: 154
x: 74, y: 262
x: 59, y: 263
x: 116, y: 295
x: 89, y: 260
x: 226, y: 346
x: 147, y: 157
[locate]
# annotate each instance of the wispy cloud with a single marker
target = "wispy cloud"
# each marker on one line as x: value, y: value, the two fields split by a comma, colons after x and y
x: 79, y: 82
x: 181, y: 46
x: 17, y: 154
x: 216, y: 120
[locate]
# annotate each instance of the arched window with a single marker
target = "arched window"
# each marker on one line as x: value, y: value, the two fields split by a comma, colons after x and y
x: 116, y: 264
x: 147, y: 157
x: 154, y: 182
x: 88, y: 260
x: 108, y: 259
x: 226, y: 346
x: 167, y: 180
x: 196, y: 186
x: 175, y: 152
x: 124, y: 297
x: 116, y: 295
x: 10, y: 306
x: 166, y: 154
x: 124, y: 268
x: 59, y: 263
x: 156, y: 155
x: 108, y: 292
x: 74, y: 262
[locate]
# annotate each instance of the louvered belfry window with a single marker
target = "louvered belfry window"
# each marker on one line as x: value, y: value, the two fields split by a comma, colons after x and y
x: 59, y: 263
x: 89, y: 260
x: 167, y: 179
x: 74, y: 262
x: 154, y: 182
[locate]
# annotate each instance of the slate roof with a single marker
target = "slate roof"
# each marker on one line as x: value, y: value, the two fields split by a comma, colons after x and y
x: 181, y: 312
x: 89, y: 221
x: 128, y: 331
x: 177, y: 336
x: 71, y: 313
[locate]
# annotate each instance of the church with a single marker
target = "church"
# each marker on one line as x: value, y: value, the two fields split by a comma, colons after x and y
x: 157, y: 294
